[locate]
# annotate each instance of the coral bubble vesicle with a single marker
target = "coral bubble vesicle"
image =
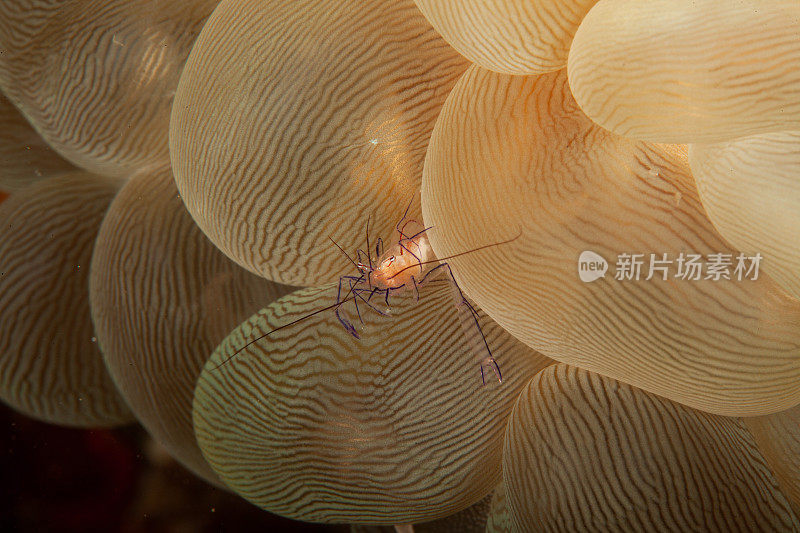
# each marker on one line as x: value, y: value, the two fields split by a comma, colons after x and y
x: 516, y: 156
x: 584, y: 452
x: 750, y: 188
x: 778, y: 438
x: 162, y: 298
x: 295, y: 121
x: 314, y: 424
x: 509, y: 36
x: 470, y: 520
x: 50, y: 366
x: 685, y: 71
x: 24, y: 157
x: 96, y: 77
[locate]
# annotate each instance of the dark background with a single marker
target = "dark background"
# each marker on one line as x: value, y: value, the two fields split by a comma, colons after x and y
x: 57, y: 479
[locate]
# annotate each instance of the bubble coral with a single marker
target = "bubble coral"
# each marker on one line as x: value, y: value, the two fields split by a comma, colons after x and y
x: 470, y: 520
x: 162, y: 298
x: 778, y: 438
x: 509, y: 36
x: 298, y: 121
x: 584, y: 452
x: 315, y: 115
x: 50, y: 366
x: 96, y: 77
x: 750, y: 188
x: 24, y: 157
x: 312, y: 424
x: 515, y: 155
x: 685, y: 71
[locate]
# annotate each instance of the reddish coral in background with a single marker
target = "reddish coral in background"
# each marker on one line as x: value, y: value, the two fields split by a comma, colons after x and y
x: 66, y: 480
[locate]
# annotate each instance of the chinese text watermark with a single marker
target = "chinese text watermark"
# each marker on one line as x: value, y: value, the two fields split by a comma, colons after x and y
x: 683, y: 266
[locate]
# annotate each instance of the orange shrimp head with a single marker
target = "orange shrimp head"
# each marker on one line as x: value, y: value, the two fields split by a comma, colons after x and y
x: 409, y: 258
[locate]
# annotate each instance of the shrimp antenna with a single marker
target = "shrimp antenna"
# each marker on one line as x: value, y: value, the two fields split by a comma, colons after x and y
x: 293, y: 322
x: 415, y: 265
x: 369, y: 255
x: 345, y: 253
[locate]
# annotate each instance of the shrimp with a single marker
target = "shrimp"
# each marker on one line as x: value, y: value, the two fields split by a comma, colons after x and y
x: 405, y: 265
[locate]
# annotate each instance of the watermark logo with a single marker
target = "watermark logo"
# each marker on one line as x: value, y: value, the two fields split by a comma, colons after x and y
x: 591, y: 266
x: 684, y: 266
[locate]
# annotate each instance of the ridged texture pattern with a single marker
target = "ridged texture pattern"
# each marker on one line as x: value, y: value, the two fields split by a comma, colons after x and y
x: 587, y: 453
x: 750, y: 189
x: 316, y: 115
x: 778, y: 438
x: 515, y: 156
x: 50, y: 366
x: 499, y: 520
x: 163, y: 297
x: 684, y: 71
x: 395, y: 428
x: 24, y: 157
x: 509, y: 36
x: 96, y: 78
x: 470, y: 520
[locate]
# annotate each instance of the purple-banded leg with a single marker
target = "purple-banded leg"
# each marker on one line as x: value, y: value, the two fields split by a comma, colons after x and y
x: 402, y: 229
x: 368, y: 246
x: 437, y: 268
x: 372, y: 292
x: 490, y: 362
x: 355, y: 300
x: 348, y: 326
x: 405, y: 214
x: 359, y: 293
x: 489, y: 359
x: 411, y: 239
x: 416, y: 289
x: 360, y: 255
x: 417, y: 234
x: 388, y: 290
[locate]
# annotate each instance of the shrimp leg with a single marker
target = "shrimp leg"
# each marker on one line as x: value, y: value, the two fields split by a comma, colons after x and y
x: 462, y: 302
x: 358, y: 292
x: 402, y: 230
x: 348, y: 326
x: 359, y: 257
x: 405, y: 214
x: 388, y: 290
x: 416, y: 288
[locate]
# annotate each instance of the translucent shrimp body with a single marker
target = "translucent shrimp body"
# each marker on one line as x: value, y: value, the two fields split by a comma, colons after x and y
x: 403, y: 264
